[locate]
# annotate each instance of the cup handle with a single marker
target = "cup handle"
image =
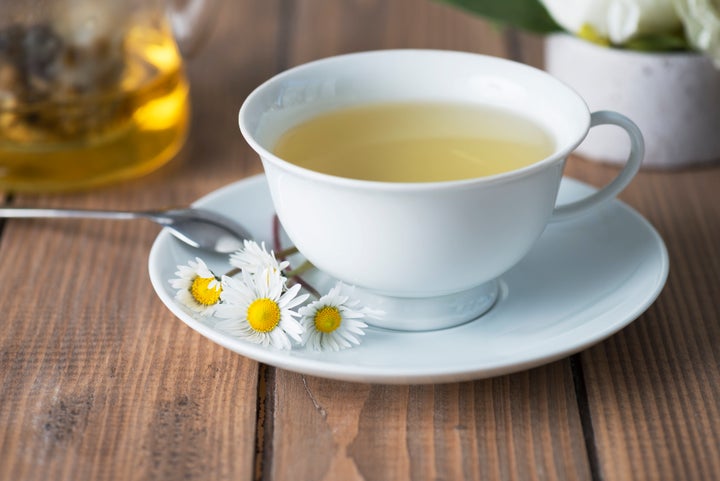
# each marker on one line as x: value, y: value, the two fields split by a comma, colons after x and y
x: 637, y: 151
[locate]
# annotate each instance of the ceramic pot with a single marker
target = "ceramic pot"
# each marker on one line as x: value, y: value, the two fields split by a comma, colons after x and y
x: 673, y: 97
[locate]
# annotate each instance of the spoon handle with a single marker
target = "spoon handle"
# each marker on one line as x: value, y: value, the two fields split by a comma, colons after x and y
x: 23, y: 212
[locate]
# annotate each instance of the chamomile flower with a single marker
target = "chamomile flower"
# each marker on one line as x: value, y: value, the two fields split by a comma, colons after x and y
x: 197, y: 287
x: 254, y: 258
x: 334, y: 321
x: 259, y: 309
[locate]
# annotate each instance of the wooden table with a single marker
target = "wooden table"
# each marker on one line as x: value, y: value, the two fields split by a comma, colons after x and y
x: 99, y: 381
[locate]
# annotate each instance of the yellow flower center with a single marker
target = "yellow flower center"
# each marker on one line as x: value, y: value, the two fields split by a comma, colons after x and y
x: 263, y: 315
x: 202, y: 292
x: 590, y: 33
x: 327, y: 319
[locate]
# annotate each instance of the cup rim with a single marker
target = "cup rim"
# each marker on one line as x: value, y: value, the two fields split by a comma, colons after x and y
x: 558, y: 155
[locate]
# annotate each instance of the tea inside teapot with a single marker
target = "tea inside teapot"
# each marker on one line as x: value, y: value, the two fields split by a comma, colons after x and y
x: 91, y: 91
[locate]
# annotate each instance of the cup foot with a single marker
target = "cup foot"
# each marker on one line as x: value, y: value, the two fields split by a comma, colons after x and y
x: 429, y: 313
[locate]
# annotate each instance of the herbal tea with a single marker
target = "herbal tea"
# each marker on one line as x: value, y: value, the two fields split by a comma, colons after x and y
x: 415, y: 142
x: 111, y: 110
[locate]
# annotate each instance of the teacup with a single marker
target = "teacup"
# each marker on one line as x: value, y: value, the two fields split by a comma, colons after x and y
x: 429, y: 253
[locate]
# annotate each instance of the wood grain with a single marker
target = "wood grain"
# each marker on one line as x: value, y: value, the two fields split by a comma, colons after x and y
x: 97, y: 379
x: 376, y: 24
x: 512, y: 427
x: 654, y: 389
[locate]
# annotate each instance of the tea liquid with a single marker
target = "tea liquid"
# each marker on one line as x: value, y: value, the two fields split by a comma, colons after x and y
x: 125, y: 131
x: 415, y: 142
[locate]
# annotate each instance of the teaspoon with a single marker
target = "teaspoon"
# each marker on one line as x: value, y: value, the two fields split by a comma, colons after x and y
x: 198, y: 228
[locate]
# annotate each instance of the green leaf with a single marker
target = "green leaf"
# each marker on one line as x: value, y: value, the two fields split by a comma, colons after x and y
x: 658, y: 43
x: 524, y: 14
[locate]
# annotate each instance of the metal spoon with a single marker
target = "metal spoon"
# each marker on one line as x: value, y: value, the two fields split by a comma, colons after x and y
x: 198, y: 228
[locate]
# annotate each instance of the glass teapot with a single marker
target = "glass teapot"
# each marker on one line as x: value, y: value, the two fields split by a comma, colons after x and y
x: 92, y: 91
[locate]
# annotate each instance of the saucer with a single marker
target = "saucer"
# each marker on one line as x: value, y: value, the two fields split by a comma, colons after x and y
x: 584, y: 280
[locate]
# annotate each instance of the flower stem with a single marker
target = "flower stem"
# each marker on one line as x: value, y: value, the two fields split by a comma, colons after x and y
x: 298, y: 271
x: 293, y: 274
x: 313, y: 292
x: 276, y: 234
x: 286, y: 252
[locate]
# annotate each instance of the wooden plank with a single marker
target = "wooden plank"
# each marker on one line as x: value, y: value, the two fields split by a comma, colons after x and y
x: 651, y: 392
x: 97, y: 379
x: 654, y: 389
x: 526, y: 47
x: 376, y: 24
x: 524, y: 426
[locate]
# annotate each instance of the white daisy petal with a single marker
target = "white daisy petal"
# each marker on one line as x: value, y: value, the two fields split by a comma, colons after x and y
x: 333, y: 321
x: 293, y: 328
x: 256, y: 309
x: 254, y: 258
x: 290, y: 299
x: 356, y: 328
x: 197, y: 287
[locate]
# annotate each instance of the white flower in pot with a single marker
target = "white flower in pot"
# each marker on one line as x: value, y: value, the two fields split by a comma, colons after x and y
x: 672, y: 94
x: 656, y: 61
x: 615, y: 20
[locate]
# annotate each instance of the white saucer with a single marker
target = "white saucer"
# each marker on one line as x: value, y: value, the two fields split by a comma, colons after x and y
x: 585, y: 279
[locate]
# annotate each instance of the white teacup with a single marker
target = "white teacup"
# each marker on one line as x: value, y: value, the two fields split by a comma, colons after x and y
x: 429, y: 253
